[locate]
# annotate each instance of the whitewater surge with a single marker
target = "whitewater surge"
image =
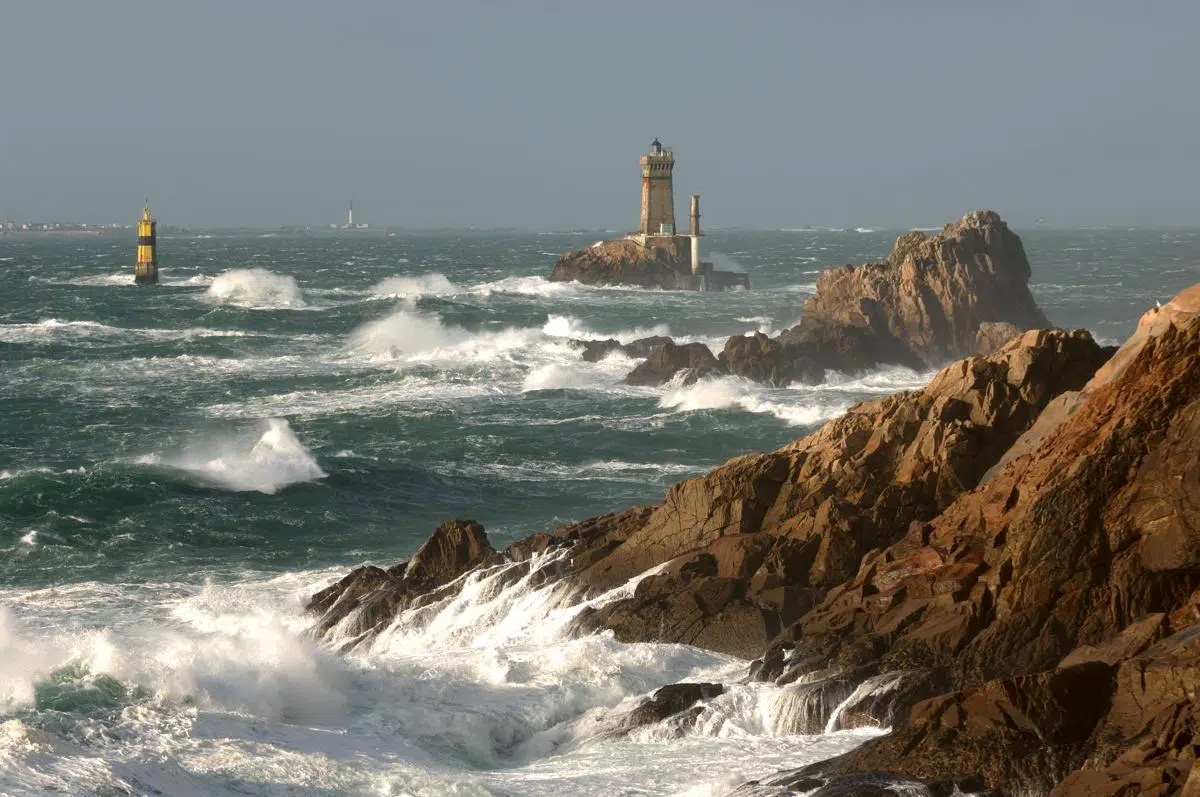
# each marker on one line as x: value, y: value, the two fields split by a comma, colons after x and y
x: 484, y: 691
x: 433, y: 284
x: 255, y: 288
x: 271, y: 462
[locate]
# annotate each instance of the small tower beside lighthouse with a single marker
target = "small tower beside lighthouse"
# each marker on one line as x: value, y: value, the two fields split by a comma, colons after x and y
x: 146, y: 270
x: 658, y: 195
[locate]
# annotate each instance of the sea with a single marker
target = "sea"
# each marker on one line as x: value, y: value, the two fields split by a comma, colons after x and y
x: 182, y: 466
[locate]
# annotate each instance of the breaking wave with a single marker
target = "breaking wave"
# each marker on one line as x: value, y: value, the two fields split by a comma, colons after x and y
x: 255, y: 288
x: 274, y: 460
x: 432, y: 284
x: 726, y: 392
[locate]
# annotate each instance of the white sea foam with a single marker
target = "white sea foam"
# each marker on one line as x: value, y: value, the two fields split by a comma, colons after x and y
x: 432, y: 284
x: 730, y: 391
x: 274, y: 460
x: 565, y: 326
x: 255, y: 288
x: 483, y: 693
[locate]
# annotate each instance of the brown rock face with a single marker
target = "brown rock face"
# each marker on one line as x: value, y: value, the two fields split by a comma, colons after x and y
x: 1046, y: 594
x: 753, y: 544
x: 933, y: 293
x: 369, y: 598
x: 669, y: 359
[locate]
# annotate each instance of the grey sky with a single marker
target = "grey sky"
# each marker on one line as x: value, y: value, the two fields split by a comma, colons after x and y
x: 533, y: 114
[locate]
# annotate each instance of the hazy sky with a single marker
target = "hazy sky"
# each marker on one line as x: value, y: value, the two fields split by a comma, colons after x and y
x: 533, y: 114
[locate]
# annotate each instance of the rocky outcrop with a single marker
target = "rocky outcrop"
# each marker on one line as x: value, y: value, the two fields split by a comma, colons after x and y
x: 934, y: 299
x: 675, y: 703
x: 367, y: 600
x: 1060, y: 597
x: 752, y: 545
x: 932, y: 294
x: 763, y: 359
x: 625, y: 261
x: 669, y: 359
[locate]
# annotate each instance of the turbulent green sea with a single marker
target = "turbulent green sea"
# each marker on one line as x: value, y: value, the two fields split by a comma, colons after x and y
x: 181, y: 465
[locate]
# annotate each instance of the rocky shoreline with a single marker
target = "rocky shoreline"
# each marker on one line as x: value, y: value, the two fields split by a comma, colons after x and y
x: 932, y: 300
x: 1002, y: 567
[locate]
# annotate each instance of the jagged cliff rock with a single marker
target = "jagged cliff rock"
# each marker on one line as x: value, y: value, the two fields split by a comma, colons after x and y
x: 369, y: 598
x: 1059, y: 599
x: 755, y: 543
x: 934, y: 299
x: 624, y: 261
x: 931, y: 295
x: 763, y: 359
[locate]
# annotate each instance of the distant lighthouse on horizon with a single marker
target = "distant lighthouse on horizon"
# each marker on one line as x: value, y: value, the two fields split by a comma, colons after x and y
x: 350, y: 216
x: 146, y: 270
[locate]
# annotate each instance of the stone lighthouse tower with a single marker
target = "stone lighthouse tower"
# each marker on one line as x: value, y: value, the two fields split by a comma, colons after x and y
x: 146, y: 270
x: 658, y: 198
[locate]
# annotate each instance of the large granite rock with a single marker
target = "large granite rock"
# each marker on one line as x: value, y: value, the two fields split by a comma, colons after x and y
x: 1045, y: 595
x: 932, y: 294
x: 625, y: 261
x: 934, y: 299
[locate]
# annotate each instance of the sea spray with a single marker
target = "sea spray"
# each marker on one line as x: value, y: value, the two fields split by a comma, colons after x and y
x: 274, y: 460
x: 432, y: 284
x: 255, y: 288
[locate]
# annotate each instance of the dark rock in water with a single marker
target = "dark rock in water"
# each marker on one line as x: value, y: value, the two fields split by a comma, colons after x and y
x: 370, y: 597
x: 669, y: 701
x: 770, y: 361
x: 643, y: 346
x: 596, y: 350
x: 667, y: 360
x: 817, y: 781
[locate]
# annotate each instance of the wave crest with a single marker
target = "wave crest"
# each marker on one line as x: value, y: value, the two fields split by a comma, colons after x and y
x: 255, y: 288
x: 275, y: 460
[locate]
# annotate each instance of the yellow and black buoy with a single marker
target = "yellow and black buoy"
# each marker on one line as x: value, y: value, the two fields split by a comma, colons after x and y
x: 146, y: 271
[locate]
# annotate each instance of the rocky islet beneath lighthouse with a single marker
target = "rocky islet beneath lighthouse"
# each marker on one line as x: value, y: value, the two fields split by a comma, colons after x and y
x: 656, y: 256
x: 935, y: 298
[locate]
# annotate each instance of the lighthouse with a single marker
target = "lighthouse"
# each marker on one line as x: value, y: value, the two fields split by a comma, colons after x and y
x: 146, y: 270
